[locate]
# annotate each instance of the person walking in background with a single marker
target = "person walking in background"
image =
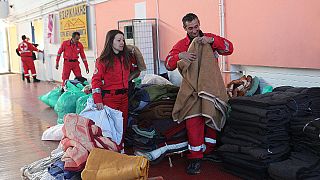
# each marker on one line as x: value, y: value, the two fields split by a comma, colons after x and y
x: 25, y: 49
x: 71, y: 50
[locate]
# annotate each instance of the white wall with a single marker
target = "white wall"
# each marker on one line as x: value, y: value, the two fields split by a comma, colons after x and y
x: 281, y: 76
x: 4, y: 60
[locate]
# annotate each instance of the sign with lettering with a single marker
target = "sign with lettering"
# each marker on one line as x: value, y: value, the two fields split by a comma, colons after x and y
x: 74, y: 19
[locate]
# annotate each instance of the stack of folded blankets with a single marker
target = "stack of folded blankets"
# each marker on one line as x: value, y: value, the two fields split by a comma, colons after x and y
x: 256, y: 133
x: 304, y: 161
x: 312, y: 93
x: 152, y: 132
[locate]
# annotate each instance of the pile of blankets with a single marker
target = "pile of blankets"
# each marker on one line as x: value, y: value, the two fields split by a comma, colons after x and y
x: 152, y: 133
x: 304, y: 161
x: 257, y: 134
x: 80, y: 137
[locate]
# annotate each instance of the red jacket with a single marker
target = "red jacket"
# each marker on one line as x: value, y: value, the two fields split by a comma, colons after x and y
x: 111, y: 78
x: 25, y: 49
x: 221, y: 45
x: 72, y: 51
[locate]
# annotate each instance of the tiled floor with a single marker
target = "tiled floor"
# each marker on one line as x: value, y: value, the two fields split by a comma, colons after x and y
x: 23, y: 118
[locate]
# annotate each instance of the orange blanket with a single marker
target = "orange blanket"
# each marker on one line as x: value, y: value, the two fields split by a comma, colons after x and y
x: 104, y: 165
x: 80, y: 137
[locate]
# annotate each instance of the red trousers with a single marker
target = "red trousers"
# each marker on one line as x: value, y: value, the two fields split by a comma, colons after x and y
x: 118, y: 102
x: 201, y: 138
x: 28, y: 64
x: 68, y: 67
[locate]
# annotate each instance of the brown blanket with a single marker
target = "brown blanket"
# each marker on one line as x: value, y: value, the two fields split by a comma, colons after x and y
x: 202, y: 91
x: 158, y: 110
x: 140, y: 60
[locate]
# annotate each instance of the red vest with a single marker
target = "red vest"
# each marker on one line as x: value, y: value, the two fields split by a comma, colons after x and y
x: 113, y: 78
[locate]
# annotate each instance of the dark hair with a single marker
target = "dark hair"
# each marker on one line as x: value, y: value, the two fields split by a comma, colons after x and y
x: 107, y: 54
x: 189, y: 17
x: 23, y: 37
x: 74, y: 34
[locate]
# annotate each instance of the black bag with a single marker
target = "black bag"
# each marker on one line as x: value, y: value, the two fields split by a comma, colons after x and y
x: 34, y: 57
x: 17, y: 51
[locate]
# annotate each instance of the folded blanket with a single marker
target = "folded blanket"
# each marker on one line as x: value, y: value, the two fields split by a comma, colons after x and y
x: 104, y: 165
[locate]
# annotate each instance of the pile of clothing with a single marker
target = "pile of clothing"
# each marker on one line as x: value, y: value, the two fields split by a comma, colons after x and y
x: 152, y: 132
x: 257, y: 133
x: 304, y: 161
x: 239, y: 87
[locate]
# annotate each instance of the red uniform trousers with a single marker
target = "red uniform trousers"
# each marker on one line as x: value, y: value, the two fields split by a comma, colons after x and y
x: 118, y: 102
x: 201, y: 138
x: 28, y: 64
x: 68, y: 67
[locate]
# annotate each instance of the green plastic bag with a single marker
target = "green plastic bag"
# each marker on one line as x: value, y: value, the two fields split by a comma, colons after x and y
x: 137, y: 81
x: 85, y: 83
x: 82, y: 103
x: 267, y: 89
x: 74, y: 88
x: 51, y: 97
x: 67, y: 104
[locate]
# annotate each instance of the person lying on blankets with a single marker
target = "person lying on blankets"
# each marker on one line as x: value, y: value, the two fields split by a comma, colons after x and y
x: 115, y: 67
x: 196, y: 126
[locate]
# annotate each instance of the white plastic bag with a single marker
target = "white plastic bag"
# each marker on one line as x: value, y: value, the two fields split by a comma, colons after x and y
x: 54, y: 133
x: 154, y: 79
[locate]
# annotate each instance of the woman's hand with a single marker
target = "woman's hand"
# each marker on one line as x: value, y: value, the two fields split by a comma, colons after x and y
x: 99, y: 106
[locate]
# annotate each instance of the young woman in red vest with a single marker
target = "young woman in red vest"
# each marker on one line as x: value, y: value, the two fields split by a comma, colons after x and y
x: 111, y: 75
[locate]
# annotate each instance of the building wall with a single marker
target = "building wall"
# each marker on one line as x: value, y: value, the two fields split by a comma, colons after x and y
x: 274, y: 33
x: 13, y: 44
x: 4, y: 60
x: 267, y: 35
x: 275, y: 76
x: 170, y: 25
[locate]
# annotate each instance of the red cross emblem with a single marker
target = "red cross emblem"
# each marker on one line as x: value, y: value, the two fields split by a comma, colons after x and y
x: 23, y: 47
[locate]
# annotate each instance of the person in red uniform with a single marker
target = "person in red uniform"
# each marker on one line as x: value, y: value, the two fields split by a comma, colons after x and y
x: 25, y: 50
x: 71, y: 50
x: 201, y: 138
x: 115, y: 67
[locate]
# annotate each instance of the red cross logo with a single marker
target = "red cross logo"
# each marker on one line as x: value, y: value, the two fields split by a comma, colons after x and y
x: 23, y: 47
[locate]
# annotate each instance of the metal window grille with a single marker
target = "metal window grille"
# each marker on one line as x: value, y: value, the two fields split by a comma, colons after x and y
x: 143, y: 34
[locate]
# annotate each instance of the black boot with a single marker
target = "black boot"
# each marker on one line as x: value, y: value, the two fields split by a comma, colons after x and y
x: 28, y: 80
x: 194, y: 166
x: 35, y: 79
x: 23, y: 77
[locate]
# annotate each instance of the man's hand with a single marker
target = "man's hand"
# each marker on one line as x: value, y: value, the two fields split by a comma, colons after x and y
x: 99, y: 106
x: 57, y: 66
x: 87, y: 70
x: 187, y: 56
x: 206, y: 40
x: 41, y: 51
